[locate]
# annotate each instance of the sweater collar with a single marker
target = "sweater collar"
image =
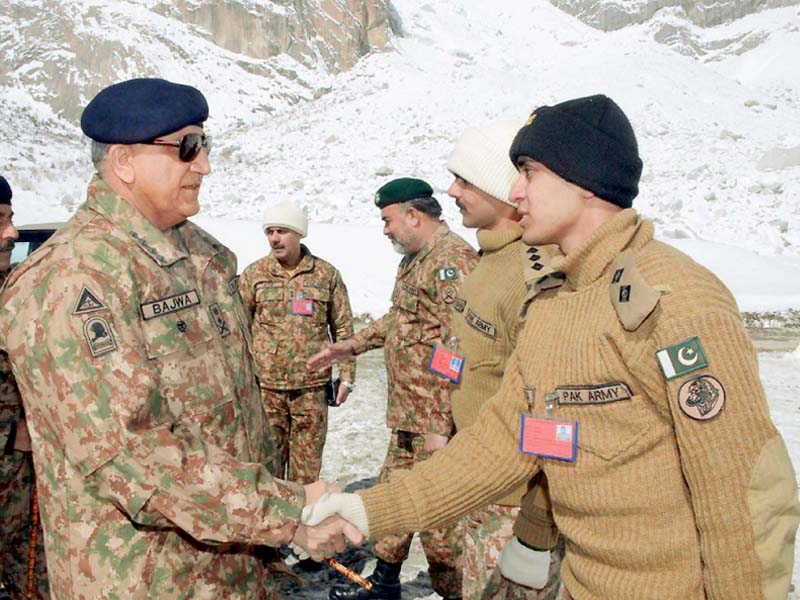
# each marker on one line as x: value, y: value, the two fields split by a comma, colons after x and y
x: 489, y: 241
x: 584, y: 265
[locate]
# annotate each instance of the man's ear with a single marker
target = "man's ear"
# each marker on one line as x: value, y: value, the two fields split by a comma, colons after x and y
x: 120, y: 161
x: 413, y: 217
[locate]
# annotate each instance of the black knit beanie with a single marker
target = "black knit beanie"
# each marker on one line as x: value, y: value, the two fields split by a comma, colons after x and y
x: 588, y: 141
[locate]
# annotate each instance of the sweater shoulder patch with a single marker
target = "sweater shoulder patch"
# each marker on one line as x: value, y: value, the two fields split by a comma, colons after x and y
x: 633, y: 298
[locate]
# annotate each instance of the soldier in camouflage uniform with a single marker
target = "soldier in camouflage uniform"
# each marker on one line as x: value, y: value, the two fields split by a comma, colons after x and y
x: 16, y: 464
x: 130, y: 345
x: 299, y: 304
x: 434, y: 264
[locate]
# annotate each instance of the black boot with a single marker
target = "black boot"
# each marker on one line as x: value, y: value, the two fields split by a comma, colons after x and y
x: 385, y: 585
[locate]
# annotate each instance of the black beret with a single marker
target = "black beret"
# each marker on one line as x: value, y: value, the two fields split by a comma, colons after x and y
x: 140, y: 110
x: 588, y: 141
x: 5, y: 191
x: 402, y: 190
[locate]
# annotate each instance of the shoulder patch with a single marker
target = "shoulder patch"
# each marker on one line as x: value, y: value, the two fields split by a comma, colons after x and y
x: 99, y: 336
x: 701, y: 397
x: 682, y: 358
x: 632, y: 297
x: 449, y: 294
x: 448, y: 273
x: 87, y: 302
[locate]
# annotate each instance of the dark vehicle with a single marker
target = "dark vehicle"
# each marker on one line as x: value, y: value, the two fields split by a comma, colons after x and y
x: 30, y: 238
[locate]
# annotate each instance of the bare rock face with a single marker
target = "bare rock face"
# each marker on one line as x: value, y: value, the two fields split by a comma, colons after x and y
x: 264, y: 53
x: 609, y: 15
x: 337, y: 32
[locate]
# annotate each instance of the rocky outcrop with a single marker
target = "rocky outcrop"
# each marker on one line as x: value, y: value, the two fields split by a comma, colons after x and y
x: 264, y: 53
x: 609, y: 15
x: 337, y: 32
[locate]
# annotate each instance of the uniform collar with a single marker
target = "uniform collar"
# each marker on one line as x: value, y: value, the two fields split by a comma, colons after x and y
x: 584, y: 265
x: 410, y: 260
x: 306, y: 264
x: 160, y: 246
x: 489, y: 241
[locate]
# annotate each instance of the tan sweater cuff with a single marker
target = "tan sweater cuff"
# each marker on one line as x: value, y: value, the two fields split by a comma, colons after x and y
x: 385, y: 514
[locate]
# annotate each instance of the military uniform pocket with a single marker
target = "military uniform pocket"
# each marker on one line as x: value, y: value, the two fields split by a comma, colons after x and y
x: 270, y: 304
x: 406, y: 302
x: 181, y: 345
x: 609, y: 430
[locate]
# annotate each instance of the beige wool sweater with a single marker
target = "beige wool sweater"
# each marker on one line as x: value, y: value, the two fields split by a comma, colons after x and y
x: 486, y: 324
x: 659, y: 504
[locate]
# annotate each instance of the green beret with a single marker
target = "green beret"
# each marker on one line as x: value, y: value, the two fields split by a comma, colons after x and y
x: 402, y: 190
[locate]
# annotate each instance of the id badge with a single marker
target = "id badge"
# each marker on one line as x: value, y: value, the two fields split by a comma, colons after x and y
x: 548, y: 437
x: 302, y: 306
x: 446, y: 363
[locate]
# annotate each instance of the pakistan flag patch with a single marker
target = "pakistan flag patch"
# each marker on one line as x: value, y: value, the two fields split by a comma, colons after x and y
x: 448, y: 273
x: 682, y: 358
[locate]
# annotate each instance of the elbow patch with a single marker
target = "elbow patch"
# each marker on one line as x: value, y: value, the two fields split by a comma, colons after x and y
x: 775, y: 513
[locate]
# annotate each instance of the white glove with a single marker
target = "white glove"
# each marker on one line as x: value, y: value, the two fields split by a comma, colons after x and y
x: 348, y: 506
x: 523, y: 565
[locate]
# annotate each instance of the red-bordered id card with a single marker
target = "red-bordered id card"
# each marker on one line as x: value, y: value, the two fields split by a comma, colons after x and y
x: 549, y: 438
x: 446, y: 363
x: 302, y: 306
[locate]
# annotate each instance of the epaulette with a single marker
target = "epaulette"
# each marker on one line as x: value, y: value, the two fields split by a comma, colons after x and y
x: 633, y: 298
x: 538, y: 271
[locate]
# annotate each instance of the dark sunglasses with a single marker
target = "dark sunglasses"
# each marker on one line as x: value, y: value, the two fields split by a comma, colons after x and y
x: 188, y: 146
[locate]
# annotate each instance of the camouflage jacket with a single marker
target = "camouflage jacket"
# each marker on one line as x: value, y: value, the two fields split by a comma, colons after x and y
x: 284, y: 339
x: 10, y: 414
x: 420, y: 316
x: 130, y: 347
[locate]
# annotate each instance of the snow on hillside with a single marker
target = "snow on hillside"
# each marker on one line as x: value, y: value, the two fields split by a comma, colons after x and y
x: 703, y: 127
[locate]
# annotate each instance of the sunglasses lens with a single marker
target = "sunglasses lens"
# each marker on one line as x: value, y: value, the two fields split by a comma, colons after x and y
x: 191, y: 144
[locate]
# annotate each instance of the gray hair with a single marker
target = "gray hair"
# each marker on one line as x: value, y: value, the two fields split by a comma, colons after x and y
x: 427, y: 205
x: 99, y: 154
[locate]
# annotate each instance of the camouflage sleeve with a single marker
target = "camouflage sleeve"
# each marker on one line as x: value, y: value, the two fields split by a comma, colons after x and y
x: 449, y: 272
x: 106, y: 406
x: 10, y: 406
x: 341, y: 320
x: 373, y: 335
x: 247, y: 293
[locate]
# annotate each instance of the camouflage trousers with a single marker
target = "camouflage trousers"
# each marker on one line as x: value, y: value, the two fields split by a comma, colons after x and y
x: 299, y: 422
x: 485, y: 532
x: 16, y: 484
x: 441, y: 546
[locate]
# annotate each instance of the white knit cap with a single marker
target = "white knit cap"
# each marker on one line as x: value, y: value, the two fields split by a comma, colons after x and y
x: 481, y: 157
x: 286, y: 215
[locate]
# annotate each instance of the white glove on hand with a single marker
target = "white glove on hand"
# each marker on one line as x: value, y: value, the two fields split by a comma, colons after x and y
x: 348, y: 506
x: 524, y: 566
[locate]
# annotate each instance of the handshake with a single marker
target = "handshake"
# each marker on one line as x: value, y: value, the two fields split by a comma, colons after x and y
x: 329, y: 518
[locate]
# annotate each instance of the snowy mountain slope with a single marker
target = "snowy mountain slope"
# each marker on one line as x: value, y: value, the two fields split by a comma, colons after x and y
x: 701, y: 132
x: 250, y: 57
x: 719, y: 137
x: 615, y: 14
